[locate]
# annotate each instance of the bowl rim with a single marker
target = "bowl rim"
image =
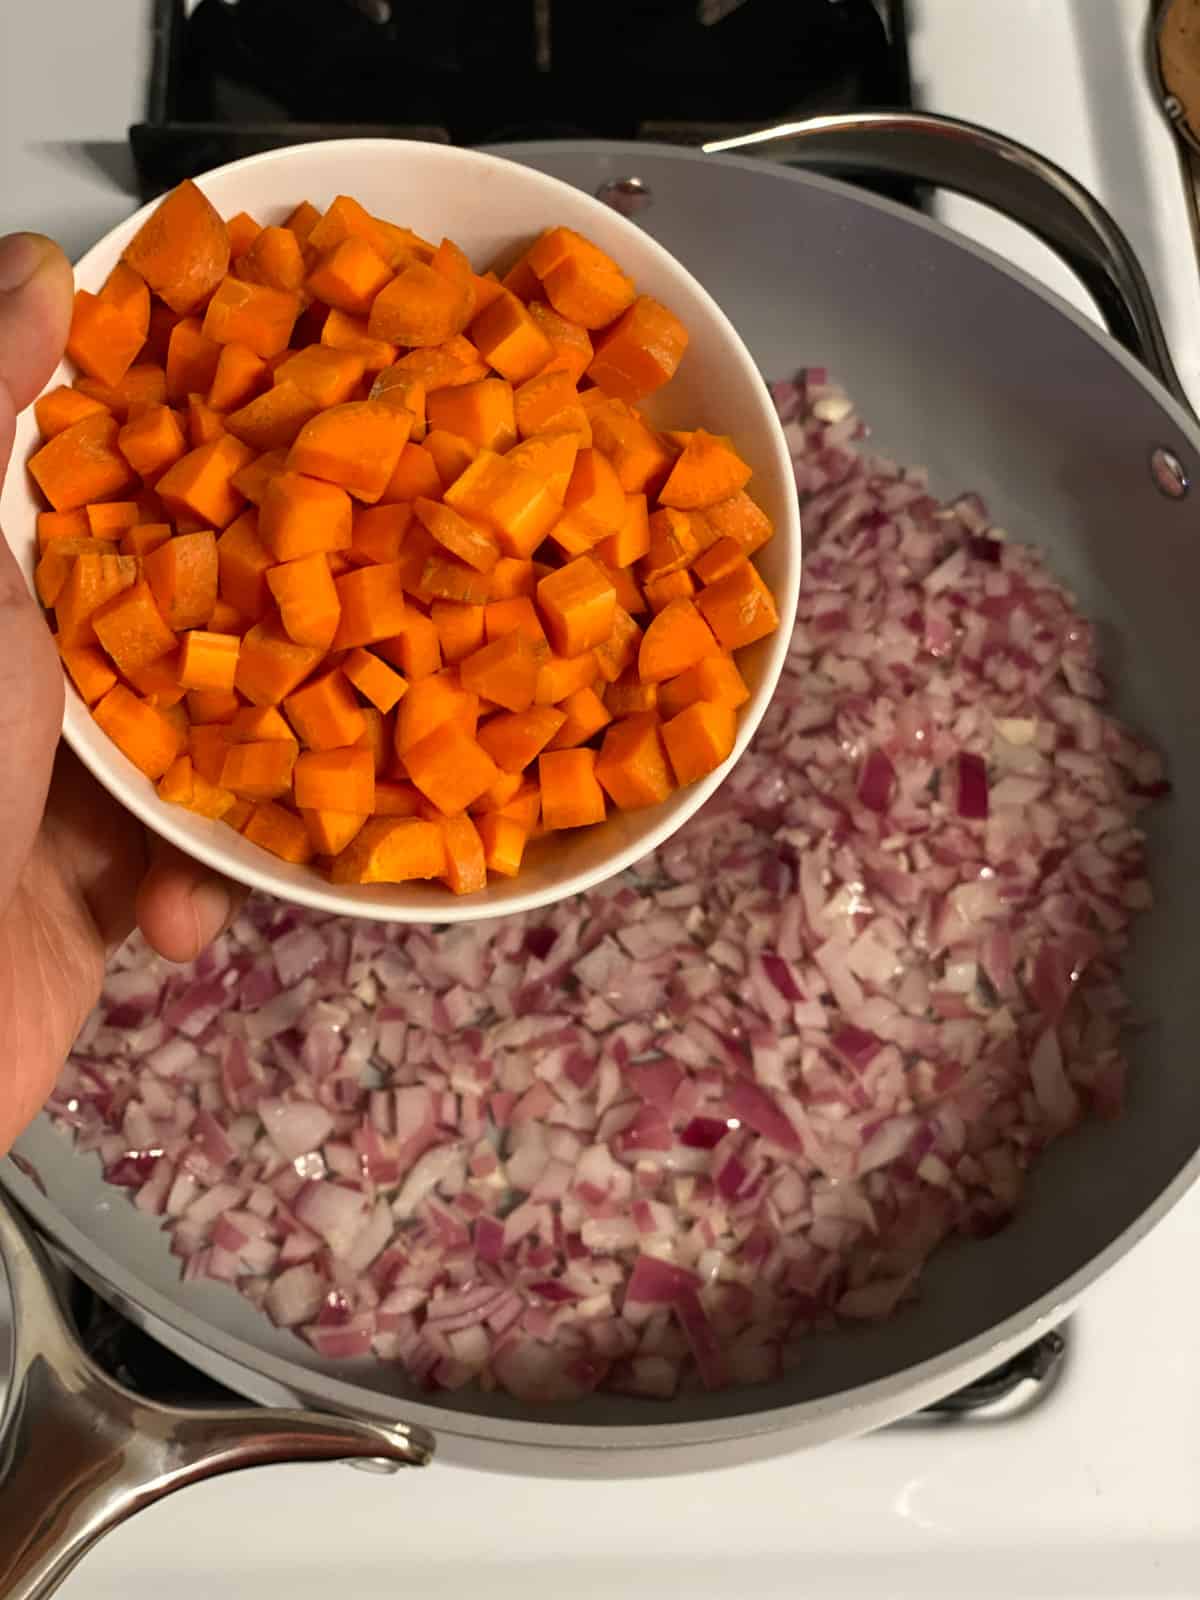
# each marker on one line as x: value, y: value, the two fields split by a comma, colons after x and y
x: 374, y: 902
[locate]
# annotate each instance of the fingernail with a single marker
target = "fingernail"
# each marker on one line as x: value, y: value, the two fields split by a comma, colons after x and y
x: 213, y: 908
x: 21, y: 254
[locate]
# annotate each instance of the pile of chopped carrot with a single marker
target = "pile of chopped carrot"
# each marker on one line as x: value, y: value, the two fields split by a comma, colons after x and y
x: 373, y: 557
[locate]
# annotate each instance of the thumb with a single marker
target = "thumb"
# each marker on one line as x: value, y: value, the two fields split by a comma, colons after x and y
x: 36, y: 285
x: 35, y: 315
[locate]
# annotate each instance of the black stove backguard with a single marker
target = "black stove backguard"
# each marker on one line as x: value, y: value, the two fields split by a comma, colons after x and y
x: 237, y: 76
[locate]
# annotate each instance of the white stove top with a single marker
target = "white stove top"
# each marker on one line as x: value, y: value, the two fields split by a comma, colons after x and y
x: 1097, y: 1493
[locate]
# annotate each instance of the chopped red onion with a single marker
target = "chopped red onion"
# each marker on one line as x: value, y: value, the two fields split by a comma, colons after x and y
x: 651, y: 1138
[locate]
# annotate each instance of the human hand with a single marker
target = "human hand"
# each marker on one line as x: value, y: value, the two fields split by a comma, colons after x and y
x: 77, y: 872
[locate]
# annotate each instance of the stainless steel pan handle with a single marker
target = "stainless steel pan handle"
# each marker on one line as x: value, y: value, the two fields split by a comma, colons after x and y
x: 79, y: 1453
x: 998, y: 172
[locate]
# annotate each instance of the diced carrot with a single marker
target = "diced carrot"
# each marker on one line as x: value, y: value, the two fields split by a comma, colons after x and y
x: 503, y: 839
x: 507, y: 498
x: 349, y: 276
x: 632, y: 766
x: 132, y: 630
x: 699, y: 738
x: 158, y: 682
x: 238, y: 814
x: 594, y: 496
x: 253, y: 723
x: 719, y: 560
x: 307, y: 599
x: 550, y: 457
x: 716, y: 678
x: 513, y: 739
x: 660, y: 592
x: 59, y: 558
x: 674, y: 544
x: 570, y: 344
x: 213, y: 706
x: 356, y: 445
x: 145, y: 384
x: 252, y: 314
x: 59, y: 409
x: 325, y: 713
x: 511, y: 578
x: 510, y: 340
x: 200, y: 484
x: 571, y: 796
x: 242, y: 230
x: 414, y: 476
x: 182, y: 249
x: 396, y: 386
x: 741, y: 519
x: 204, y: 425
x: 273, y: 421
x: 239, y: 376
x: 577, y: 603
x: 629, y: 696
x: 445, y: 577
x: 417, y: 650
x: 374, y: 679
x: 379, y: 533
x: 192, y: 360
x: 252, y: 479
x: 343, y: 332
x: 226, y: 619
x: 394, y: 798
x: 443, y: 366
x: 579, y: 280
x: 271, y: 666
x: 518, y: 615
x: 142, y: 734
x: 152, y: 441
x: 377, y: 737
x: 629, y: 597
x: 585, y: 714
x: 331, y: 831
x: 708, y: 471
x: 111, y: 518
x: 177, y: 783
x: 640, y: 352
x: 208, y: 745
x: 466, y: 871
x: 450, y: 767
x: 371, y: 601
x: 487, y: 287
x: 243, y: 562
x: 521, y: 280
x: 739, y: 608
x: 208, y: 661
x: 280, y: 831
x: 52, y: 525
x: 91, y: 580
x: 501, y: 792
x: 481, y: 412
x: 451, y: 453
x: 163, y: 322
x: 429, y: 704
x: 467, y: 540
x: 261, y: 770
x: 183, y: 575
x: 504, y: 671
x: 549, y: 404
x: 336, y: 780
x: 420, y: 307
x: 392, y: 850
x: 676, y: 639
x: 327, y: 377
x: 302, y: 516
x: 639, y: 458
x: 460, y: 627
x: 560, y: 676
x: 81, y: 464
x: 90, y: 671
x: 274, y: 259
x: 619, y: 652
x: 104, y: 339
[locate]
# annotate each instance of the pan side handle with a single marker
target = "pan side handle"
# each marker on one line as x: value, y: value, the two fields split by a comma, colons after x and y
x: 79, y: 1453
x: 1009, y: 177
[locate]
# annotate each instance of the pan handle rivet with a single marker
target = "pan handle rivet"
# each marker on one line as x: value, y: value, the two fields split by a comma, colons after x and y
x: 629, y: 196
x: 1168, y: 473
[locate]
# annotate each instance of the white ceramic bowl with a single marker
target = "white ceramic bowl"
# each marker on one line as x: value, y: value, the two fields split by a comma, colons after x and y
x: 488, y: 206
